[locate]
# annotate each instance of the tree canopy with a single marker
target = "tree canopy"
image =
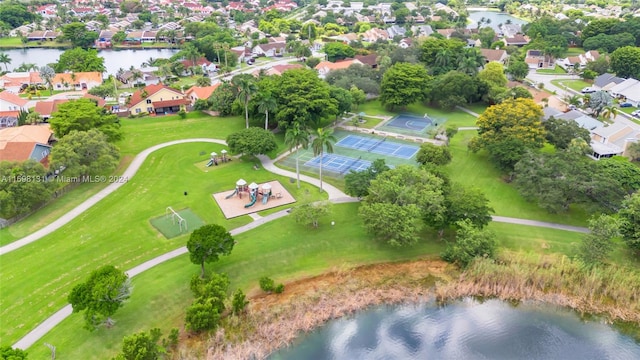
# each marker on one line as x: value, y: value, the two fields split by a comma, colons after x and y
x: 80, y: 60
x: 356, y: 183
x: 508, y: 129
x: 82, y: 115
x: 338, y: 51
x: 625, y: 62
x: 560, y: 132
x: 630, y: 222
x: 404, y: 84
x: 104, y: 292
x: 85, y: 153
x: 252, y: 141
x: 207, y: 243
x: 23, y: 186
x: 433, y: 154
x: 471, y: 242
x: 79, y: 36
x: 15, y: 14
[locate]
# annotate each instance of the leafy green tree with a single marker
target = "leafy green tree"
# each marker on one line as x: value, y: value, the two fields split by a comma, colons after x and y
x: 609, y: 43
x: 518, y: 70
x: 404, y: 84
x: 246, y: 88
x: 508, y: 129
x: 103, y: 90
x: 304, y: 98
x: 599, y: 66
x: 104, y: 292
x: 433, y: 45
x: 471, y: 242
x: 83, y: 115
x: 85, y: 153
x: 338, y: 51
x: 201, y: 316
x: 356, y: 183
x: 517, y: 92
x: 621, y: 171
x: 598, y: 243
x: 629, y: 216
x: 267, y: 284
x: 23, y: 186
x: 310, y: 214
x: 15, y: 14
x: 222, y: 99
x: 9, y: 353
x: 323, y: 142
x: 493, y: 74
x: 79, y: 36
x: 207, y: 243
x: 456, y: 88
x: 141, y: 346
x: 119, y: 37
x: 203, y: 81
x: 461, y: 203
x: 433, y: 154
x: 343, y: 97
x: 239, y: 302
x: 625, y: 62
x: 80, y: 60
x: 358, y: 96
x: 397, y: 202
x: 297, y: 137
x: 361, y: 76
x: 252, y: 141
x: 559, y: 132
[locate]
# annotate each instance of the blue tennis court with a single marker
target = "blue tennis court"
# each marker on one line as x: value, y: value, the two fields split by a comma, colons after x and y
x: 410, y: 122
x: 338, y: 163
x: 378, y: 146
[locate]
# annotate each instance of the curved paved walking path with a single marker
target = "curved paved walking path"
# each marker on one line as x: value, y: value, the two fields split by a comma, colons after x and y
x: 335, y: 196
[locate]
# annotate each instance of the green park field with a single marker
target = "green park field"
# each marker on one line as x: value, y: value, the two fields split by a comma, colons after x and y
x: 37, y: 278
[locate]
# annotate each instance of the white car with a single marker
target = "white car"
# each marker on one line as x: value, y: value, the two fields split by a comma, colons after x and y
x: 588, y: 90
x: 636, y: 113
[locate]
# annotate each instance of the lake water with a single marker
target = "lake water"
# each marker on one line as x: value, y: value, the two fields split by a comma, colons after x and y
x: 466, y: 329
x: 497, y: 18
x: 113, y: 59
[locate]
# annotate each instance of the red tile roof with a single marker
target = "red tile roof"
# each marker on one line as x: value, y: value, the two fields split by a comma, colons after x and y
x: 13, y: 98
x: 203, y: 92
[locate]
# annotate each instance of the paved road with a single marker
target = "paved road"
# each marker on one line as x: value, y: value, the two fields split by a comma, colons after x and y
x: 335, y: 195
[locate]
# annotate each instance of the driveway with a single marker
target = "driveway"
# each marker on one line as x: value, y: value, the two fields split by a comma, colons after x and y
x: 64, y: 95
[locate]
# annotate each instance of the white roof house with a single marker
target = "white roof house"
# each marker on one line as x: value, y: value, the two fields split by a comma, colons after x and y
x: 628, y: 89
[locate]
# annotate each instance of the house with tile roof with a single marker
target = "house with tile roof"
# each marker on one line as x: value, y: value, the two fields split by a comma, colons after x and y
x: 9, y: 118
x: 17, y: 81
x: 77, y: 81
x: 279, y: 69
x: 326, y: 67
x: 269, y: 50
x: 516, y: 40
x: 196, y: 93
x: 157, y: 99
x: 10, y: 101
x: 47, y: 107
x: 496, y: 55
x: 27, y: 142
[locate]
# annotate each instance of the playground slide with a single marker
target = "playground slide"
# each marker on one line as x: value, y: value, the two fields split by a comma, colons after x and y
x: 265, y: 198
x: 254, y: 198
x: 231, y: 195
x: 210, y: 163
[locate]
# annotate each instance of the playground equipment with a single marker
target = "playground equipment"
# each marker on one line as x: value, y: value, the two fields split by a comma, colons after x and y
x: 224, y: 158
x: 253, y: 193
x: 241, y: 186
x: 213, y: 160
x: 175, y: 216
x: 266, y: 193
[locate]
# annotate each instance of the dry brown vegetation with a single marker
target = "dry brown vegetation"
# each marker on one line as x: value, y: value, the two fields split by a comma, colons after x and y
x: 274, y: 321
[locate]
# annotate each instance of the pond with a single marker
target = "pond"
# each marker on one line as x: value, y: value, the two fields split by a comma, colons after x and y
x: 496, y: 18
x: 466, y: 329
x: 113, y: 59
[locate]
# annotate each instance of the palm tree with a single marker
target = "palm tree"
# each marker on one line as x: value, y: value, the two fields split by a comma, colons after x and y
x: 149, y: 63
x: 266, y: 103
x: 324, y: 139
x: 296, y: 138
x: 5, y: 59
x: 443, y: 58
x: 47, y: 74
x: 203, y: 81
x: 609, y: 112
x: 246, y: 88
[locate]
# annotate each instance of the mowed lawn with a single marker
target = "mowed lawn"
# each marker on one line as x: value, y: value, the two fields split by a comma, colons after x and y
x: 139, y: 134
x: 37, y: 278
x: 455, y: 118
x: 283, y: 250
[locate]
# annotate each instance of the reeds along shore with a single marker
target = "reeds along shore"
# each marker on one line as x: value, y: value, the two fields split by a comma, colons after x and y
x: 269, y: 324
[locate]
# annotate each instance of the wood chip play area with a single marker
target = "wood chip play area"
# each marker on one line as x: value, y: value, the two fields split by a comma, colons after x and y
x: 235, y: 202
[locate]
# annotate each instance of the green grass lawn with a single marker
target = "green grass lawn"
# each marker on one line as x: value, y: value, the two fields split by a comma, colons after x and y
x: 117, y: 231
x: 576, y: 85
x: 16, y: 42
x: 454, y: 118
x: 555, y: 71
x: 573, y: 51
x: 475, y: 170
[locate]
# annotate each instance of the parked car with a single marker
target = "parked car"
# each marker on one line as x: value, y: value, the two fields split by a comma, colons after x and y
x: 626, y: 104
x: 636, y: 113
x: 588, y: 90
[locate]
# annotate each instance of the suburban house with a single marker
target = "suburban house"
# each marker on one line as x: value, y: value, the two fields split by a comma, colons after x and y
x: 421, y: 30
x: 606, y: 81
x: 374, y: 34
x: 104, y: 39
x: 15, y: 82
x: 200, y: 92
x: 48, y: 107
x: 516, y: 40
x: 46, y: 35
x: 269, y: 50
x: 536, y: 59
x: 612, y: 140
x: 157, y: 99
x: 242, y: 52
x: 579, y: 61
x: 278, y: 69
x: 138, y: 37
x: 77, y: 81
x: 326, y: 67
x: 9, y: 118
x: 206, y: 65
x: 22, y: 143
x: 628, y: 91
x: 139, y: 77
x: 12, y: 102
x: 396, y: 30
x: 496, y: 55
x: 370, y: 60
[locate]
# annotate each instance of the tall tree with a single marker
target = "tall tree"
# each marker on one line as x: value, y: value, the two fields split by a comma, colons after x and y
x: 357, y: 95
x: 79, y: 36
x: 297, y: 137
x: 266, y: 104
x: 104, y: 292
x: 598, y: 243
x: 404, y: 84
x: 207, y: 243
x: 80, y: 60
x: 252, y: 141
x: 323, y: 142
x: 246, y: 88
x: 471, y: 242
x: 23, y: 186
x: 85, y: 153
x: 356, y: 183
x: 625, y: 62
x: 222, y: 99
x: 5, y: 59
x: 629, y: 216
x: 518, y: 69
x: 47, y: 74
x: 433, y: 154
x: 560, y: 132
x: 508, y: 129
x: 84, y: 114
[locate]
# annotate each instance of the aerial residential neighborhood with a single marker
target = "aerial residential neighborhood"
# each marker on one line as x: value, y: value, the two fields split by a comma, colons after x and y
x: 281, y: 179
